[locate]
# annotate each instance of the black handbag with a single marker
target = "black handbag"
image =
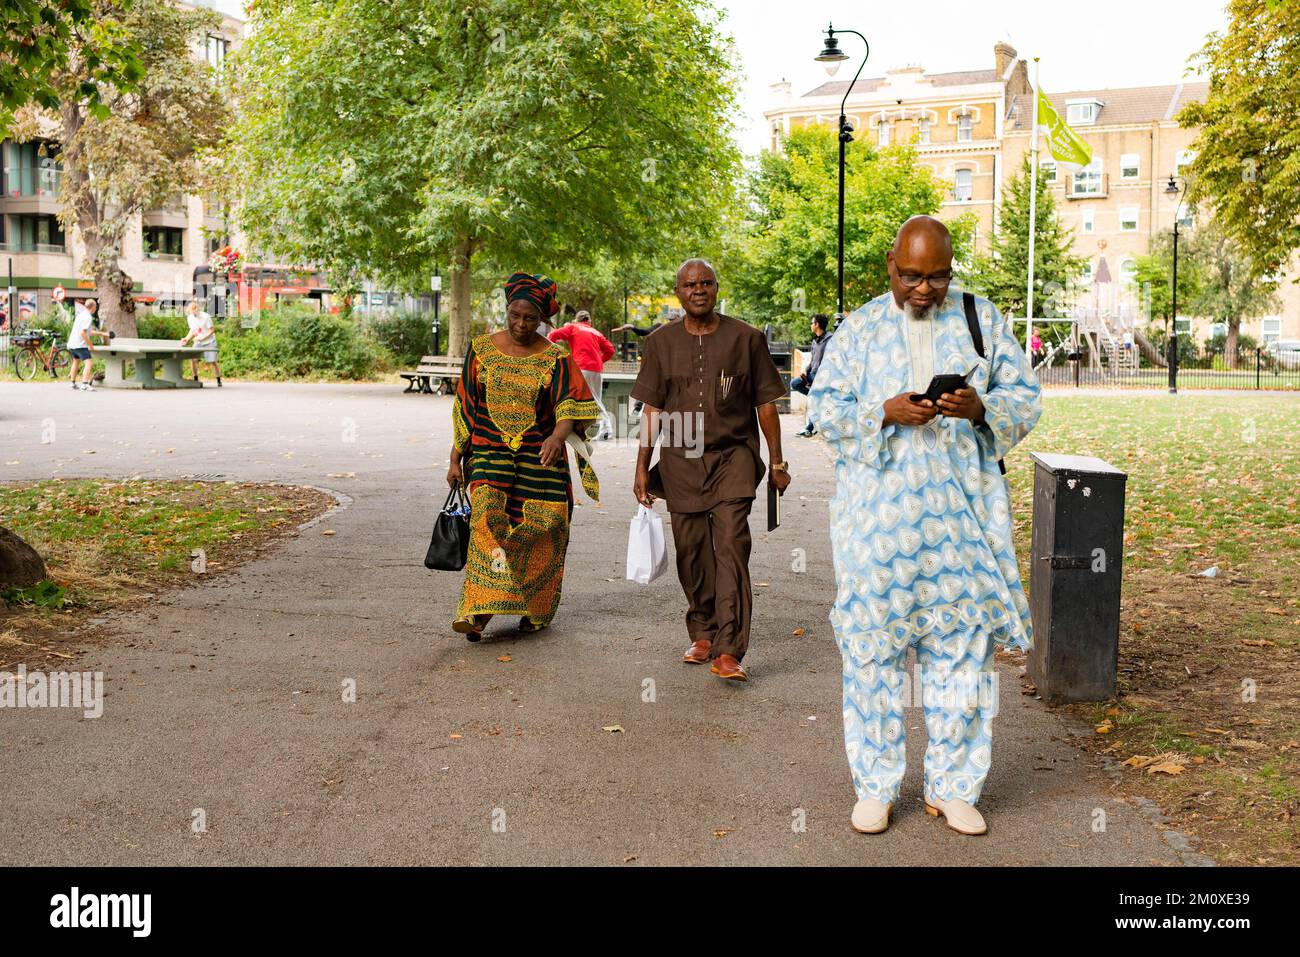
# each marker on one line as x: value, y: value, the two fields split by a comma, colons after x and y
x: 449, y: 545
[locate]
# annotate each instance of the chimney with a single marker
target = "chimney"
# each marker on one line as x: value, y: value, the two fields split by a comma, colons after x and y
x: 1004, y: 55
x: 780, y: 91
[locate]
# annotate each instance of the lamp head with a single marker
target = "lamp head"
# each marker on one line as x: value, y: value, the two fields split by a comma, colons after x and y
x: 1171, y: 188
x: 831, y: 56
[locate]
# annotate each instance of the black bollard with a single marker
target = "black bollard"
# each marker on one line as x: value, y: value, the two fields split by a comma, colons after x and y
x: 1075, y: 575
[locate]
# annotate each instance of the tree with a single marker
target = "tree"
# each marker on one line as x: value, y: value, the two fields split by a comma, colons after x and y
x: 38, y: 38
x: 1232, y: 289
x: 396, y: 137
x: 1153, y: 274
x: 125, y: 151
x: 1001, y: 274
x: 782, y: 257
x: 1248, y: 149
x: 1215, y: 280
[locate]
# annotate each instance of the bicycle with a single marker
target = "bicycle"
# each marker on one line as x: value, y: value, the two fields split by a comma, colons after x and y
x: 28, y: 355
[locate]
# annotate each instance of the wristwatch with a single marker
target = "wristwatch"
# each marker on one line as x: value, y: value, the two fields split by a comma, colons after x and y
x: 780, y: 466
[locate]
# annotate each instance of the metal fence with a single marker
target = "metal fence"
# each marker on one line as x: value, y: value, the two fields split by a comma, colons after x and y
x: 1268, y: 367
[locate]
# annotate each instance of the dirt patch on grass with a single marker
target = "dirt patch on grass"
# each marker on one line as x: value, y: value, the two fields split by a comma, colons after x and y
x: 1207, y: 723
x: 115, y: 545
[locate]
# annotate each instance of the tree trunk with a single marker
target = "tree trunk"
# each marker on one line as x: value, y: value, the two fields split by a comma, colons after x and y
x: 458, y: 304
x: 117, y: 302
x: 1147, y: 349
x: 113, y: 287
x: 1230, y: 348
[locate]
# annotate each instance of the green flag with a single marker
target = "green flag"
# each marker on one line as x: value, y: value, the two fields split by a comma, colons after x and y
x: 1064, y: 144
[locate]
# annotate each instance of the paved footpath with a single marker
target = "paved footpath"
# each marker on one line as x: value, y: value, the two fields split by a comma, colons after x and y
x: 226, y: 696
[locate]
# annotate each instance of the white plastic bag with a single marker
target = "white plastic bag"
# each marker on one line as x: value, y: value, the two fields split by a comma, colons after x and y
x: 647, y: 556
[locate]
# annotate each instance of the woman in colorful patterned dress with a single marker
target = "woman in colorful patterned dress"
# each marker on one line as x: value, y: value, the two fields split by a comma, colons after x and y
x: 519, y: 400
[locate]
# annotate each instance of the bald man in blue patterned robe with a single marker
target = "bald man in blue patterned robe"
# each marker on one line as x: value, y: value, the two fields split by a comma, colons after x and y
x: 921, y: 526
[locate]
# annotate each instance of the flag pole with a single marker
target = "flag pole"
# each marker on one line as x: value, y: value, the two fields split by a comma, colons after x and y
x: 1033, y: 211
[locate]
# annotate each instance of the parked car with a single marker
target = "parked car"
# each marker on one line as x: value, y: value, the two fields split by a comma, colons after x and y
x: 1285, y: 352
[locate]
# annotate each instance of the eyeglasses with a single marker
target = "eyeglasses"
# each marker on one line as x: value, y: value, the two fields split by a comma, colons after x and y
x: 911, y: 280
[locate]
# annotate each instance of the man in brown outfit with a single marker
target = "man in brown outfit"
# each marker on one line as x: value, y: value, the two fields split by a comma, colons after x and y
x: 708, y: 384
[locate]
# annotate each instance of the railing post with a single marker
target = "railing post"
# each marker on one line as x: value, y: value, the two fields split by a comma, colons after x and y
x: 1257, y: 364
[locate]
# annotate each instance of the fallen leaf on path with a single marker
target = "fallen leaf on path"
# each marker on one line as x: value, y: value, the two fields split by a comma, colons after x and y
x: 722, y: 831
x: 1140, y: 761
x: 1170, y: 769
x: 457, y: 737
x: 613, y: 728
x: 632, y: 857
x: 504, y: 658
x: 798, y: 632
x: 328, y: 531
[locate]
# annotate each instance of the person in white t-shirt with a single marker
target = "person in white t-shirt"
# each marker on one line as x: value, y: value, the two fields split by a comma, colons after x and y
x: 79, y: 346
x: 204, y: 335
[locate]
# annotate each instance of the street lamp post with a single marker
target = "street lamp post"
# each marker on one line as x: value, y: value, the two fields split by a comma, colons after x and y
x: 1173, y: 189
x: 832, y: 56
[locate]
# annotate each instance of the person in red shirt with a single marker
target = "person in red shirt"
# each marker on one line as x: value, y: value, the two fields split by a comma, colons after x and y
x: 591, y: 350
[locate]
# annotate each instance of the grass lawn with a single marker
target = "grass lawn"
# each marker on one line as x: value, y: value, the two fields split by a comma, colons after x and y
x: 107, y: 544
x: 1209, y: 683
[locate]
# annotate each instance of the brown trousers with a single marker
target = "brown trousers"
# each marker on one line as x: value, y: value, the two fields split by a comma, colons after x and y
x: 713, y: 567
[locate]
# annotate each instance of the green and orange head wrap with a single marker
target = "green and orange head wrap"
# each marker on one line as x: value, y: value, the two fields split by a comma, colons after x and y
x: 538, y: 290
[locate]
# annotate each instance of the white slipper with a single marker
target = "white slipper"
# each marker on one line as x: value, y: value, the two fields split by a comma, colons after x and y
x: 871, y: 816
x: 961, y: 816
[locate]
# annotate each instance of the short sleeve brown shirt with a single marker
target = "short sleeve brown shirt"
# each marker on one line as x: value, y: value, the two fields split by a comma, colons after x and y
x: 708, y: 388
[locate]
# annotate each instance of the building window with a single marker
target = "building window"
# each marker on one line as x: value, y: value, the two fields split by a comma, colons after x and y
x: 1186, y: 217
x: 163, y: 242
x: 1128, y: 219
x: 1082, y: 113
x: 36, y: 234
x: 1128, y: 271
x: 214, y: 242
x: 882, y: 133
x: 1271, y: 329
x: 965, y: 128
x: 1088, y: 180
x: 1088, y: 220
x: 31, y: 170
x: 1049, y: 170
x: 1129, y: 168
x: 216, y: 51
x: 963, y: 190
x: 1182, y: 158
x: 923, y: 131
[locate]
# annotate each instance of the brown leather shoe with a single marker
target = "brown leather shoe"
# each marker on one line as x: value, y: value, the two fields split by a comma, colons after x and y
x: 698, y: 652
x: 726, y: 666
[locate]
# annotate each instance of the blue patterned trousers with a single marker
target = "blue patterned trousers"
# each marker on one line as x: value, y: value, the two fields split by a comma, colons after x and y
x: 958, y: 691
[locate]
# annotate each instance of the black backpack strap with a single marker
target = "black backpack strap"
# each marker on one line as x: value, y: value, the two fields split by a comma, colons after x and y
x: 977, y: 339
x: 973, y: 323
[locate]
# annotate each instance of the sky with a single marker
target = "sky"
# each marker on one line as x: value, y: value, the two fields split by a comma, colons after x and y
x: 1101, y: 43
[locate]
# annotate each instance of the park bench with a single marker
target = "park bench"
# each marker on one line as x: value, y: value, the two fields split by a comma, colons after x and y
x: 143, y: 353
x: 444, y: 369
